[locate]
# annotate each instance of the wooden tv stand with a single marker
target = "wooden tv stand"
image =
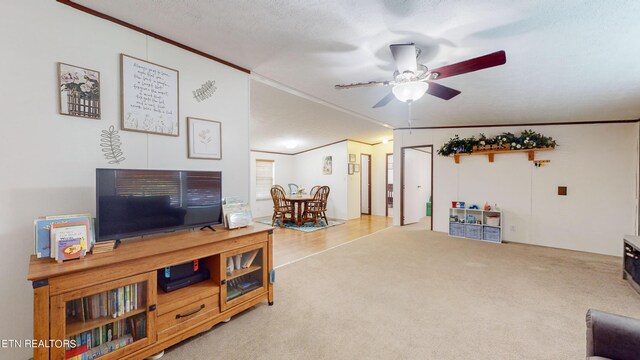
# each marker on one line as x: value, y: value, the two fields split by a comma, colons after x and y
x: 101, y: 297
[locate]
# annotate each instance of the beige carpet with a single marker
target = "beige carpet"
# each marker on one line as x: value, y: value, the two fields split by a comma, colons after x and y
x: 406, y: 293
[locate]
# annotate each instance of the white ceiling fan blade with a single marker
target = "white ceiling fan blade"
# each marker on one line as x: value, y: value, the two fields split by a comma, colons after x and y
x: 384, y: 101
x: 405, y: 57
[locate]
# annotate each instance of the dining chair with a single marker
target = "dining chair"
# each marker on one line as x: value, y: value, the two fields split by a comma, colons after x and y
x: 316, y: 208
x: 325, y: 199
x: 293, y: 188
x: 281, y: 207
x: 314, y: 190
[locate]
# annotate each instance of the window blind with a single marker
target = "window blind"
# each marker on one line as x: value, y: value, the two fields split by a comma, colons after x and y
x: 141, y: 183
x: 265, y: 171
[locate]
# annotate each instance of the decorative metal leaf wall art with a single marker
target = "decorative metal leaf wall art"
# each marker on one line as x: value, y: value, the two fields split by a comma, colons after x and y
x: 205, y: 91
x: 110, y: 143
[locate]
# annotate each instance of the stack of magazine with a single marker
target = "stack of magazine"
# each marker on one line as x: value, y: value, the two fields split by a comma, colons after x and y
x: 63, y: 237
x: 236, y: 213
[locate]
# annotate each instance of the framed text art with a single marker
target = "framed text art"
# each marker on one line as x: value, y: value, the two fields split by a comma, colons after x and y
x: 149, y: 97
x: 79, y: 91
x: 204, y: 138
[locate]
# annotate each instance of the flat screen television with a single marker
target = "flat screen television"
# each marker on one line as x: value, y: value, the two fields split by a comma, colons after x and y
x: 132, y: 203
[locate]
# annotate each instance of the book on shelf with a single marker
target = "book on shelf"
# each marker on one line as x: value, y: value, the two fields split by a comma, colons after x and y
x: 69, y: 240
x: 249, y: 285
x: 42, y: 232
x: 247, y: 258
x: 233, y: 292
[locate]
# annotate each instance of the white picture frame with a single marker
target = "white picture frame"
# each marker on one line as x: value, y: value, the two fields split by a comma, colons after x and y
x: 352, y: 158
x: 327, y: 165
x: 204, y: 139
x: 149, y: 97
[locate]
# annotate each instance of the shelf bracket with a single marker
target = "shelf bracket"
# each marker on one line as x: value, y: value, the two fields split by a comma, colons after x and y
x: 490, y: 156
x: 531, y: 155
x: 456, y: 157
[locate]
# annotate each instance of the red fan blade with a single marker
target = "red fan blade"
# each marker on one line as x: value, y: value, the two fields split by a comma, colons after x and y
x: 384, y: 101
x: 479, y: 63
x: 441, y: 91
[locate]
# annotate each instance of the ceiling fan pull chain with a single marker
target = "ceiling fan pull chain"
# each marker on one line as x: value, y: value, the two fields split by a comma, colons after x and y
x: 409, y: 102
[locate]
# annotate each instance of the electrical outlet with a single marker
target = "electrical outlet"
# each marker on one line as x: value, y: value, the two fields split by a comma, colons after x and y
x: 513, y: 228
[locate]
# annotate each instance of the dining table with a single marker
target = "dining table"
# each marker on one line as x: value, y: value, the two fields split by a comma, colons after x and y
x: 298, y: 200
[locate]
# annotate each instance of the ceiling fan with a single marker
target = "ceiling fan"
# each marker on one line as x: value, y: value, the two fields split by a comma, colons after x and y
x: 413, y: 80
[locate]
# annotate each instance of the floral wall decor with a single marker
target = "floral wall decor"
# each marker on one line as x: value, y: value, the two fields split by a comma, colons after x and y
x: 205, y: 91
x: 528, y: 139
x: 79, y: 91
x: 204, y: 138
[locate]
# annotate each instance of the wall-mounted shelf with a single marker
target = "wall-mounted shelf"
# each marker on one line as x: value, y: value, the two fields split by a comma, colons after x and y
x: 490, y: 153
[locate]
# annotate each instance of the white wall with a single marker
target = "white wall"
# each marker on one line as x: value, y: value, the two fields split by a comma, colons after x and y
x: 283, y: 175
x: 49, y: 160
x: 378, y: 183
x: 308, y: 173
x: 598, y: 163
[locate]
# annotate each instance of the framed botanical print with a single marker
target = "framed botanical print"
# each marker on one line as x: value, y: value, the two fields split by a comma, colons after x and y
x: 327, y: 165
x: 79, y: 91
x: 149, y: 97
x: 204, y: 138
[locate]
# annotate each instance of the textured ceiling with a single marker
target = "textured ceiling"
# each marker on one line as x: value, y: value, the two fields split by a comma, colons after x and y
x: 566, y: 60
x: 279, y: 118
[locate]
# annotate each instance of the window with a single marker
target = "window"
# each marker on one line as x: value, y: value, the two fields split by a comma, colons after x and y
x: 265, y: 173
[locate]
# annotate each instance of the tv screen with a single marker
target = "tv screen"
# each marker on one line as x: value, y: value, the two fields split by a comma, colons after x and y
x: 137, y: 202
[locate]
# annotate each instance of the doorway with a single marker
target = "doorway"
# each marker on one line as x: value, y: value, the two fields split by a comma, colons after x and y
x: 388, y: 187
x: 416, y: 185
x: 365, y: 184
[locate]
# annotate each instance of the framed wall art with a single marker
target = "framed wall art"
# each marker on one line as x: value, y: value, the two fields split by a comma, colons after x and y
x: 352, y: 158
x: 356, y: 167
x: 149, y: 97
x: 327, y: 165
x: 204, y: 138
x: 351, y: 168
x: 79, y: 91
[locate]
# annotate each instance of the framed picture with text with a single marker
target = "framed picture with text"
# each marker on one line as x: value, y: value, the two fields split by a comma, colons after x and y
x: 149, y: 97
x: 204, y: 138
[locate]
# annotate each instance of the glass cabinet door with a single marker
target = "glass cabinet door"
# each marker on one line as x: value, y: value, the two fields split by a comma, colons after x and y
x: 105, y: 321
x: 244, y: 275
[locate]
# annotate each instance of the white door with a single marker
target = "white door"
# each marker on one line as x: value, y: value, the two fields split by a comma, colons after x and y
x: 417, y: 188
x: 365, y: 202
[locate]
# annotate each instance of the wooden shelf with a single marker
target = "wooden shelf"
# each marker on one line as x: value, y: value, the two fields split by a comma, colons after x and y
x: 490, y: 153
x: 78, y: 327
x: 238, y: 273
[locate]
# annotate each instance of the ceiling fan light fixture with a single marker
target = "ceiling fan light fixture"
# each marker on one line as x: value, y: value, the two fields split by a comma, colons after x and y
x: 410, y: 91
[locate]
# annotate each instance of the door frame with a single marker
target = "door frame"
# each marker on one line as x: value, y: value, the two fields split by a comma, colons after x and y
x: 402, y: 151
x: 386, y: 182
x: 369, y: 182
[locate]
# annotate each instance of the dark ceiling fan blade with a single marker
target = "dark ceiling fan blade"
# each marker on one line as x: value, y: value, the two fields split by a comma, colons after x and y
x: 441, y: 91
x: 357, y: 85
x: 405, y: 57
x: 384, y: 101
x: 475, y: 64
